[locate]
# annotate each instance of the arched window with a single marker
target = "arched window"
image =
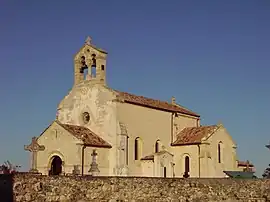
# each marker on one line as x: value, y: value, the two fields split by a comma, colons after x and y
x: 219, y: 152
x: 157, y: 146
x: 187, y: 168
x: 137, y: 148
x: 164, y: 172
x: 84, y: 68
x: 93, y: 67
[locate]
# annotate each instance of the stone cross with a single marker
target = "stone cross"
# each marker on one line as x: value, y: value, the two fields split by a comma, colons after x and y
x: 34, y: 147
x: 88, y: 40
x: 247, y: 166
x: 94, y: 166
x: 94, y: 156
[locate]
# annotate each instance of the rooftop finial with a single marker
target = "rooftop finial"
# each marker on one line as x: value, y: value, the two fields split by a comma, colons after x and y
x: 88, y: 40
x: 220, y: 123
x: 173, y: 100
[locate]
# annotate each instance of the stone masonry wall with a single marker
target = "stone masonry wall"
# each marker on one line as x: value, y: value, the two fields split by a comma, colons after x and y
x: 25, y: 187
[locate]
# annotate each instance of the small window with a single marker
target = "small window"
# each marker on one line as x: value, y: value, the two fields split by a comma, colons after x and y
x: 157, y: 145
x: 127, y: 143
x: 164, y: 172
x: 187, y: 168
x: 85, y: 117
x: 136, y: 149
x: 219, y: 153
x: 102, y: 67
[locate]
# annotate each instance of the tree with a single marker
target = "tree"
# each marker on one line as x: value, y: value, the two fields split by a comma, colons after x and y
x: 266, y: 173
x: 9, y: 168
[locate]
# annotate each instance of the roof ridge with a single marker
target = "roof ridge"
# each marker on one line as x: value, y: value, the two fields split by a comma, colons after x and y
x: 118, y: 91
x: 67, y: 124
x: 177, y: 104
x: 155, y: 99
x: 201, y: 126
x: 194, y: 135
x: 154, y: 103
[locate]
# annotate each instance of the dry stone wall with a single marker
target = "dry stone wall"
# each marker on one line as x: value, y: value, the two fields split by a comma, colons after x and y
x: 26, y: 187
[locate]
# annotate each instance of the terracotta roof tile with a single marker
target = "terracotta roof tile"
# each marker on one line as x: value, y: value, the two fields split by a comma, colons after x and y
x: 88, y: 137
x: 152, y: 103
x: 149, y: 157
x: 193, y: 135
x: 244, y: 164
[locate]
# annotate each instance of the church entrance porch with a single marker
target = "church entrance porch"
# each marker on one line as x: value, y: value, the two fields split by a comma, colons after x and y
x: 56, y: 166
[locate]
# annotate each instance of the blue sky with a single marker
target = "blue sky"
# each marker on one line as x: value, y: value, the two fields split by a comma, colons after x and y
x: 213, y: 56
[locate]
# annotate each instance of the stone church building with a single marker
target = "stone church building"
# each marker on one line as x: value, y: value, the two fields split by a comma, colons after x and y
x: 102, y: 131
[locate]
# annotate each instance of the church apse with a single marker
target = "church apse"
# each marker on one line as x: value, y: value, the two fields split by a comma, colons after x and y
x: 90, y: 64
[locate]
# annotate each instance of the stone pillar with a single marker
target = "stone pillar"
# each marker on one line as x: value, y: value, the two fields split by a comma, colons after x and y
x: 101, y: 69
x: 78, y: 76
x: 34, y: 147
x: 94, y: 171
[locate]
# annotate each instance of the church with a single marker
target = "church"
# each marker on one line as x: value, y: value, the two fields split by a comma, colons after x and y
x: 102, y: 131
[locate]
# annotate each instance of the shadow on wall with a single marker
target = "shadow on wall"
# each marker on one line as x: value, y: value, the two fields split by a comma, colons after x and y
x: 6, y: 188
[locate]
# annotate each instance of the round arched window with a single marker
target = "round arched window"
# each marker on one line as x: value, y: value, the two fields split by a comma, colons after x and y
x: 85, y: 117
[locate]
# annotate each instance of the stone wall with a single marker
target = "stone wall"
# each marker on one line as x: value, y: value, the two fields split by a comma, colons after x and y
x: 25, y: 187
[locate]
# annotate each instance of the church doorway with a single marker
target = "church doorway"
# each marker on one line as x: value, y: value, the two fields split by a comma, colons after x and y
x: 56, y: 166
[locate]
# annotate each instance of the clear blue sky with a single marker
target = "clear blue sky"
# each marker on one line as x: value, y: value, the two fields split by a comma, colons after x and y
x: 213, y: 56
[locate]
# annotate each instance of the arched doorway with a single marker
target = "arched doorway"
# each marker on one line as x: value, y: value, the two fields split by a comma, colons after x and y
x: 56, y: 166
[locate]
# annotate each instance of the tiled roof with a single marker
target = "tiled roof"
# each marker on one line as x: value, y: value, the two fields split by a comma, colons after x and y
x: 194, y: 135
x: 152, y: 103
x: 149, y: 157
x: 244, y: 164
x: 88, y: 137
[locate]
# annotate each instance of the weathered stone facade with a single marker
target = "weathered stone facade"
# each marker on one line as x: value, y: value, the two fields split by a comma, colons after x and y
x: 74, y: 189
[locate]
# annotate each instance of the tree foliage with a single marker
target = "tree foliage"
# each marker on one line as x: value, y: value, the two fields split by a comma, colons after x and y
x: 9, y: 168
x: 266, y: 173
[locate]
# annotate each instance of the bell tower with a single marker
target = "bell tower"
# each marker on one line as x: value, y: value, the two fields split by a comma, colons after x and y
x: 90, y: 64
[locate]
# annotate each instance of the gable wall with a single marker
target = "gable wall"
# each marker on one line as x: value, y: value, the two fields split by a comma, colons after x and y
x: 97, y: 100
x: 228, y: 153
x: 183, y: 121
x: 58, y: 141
